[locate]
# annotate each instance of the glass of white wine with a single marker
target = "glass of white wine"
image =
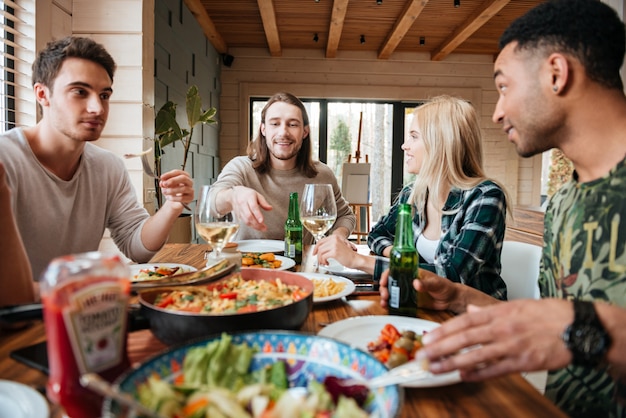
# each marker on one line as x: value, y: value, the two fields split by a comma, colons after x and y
x: 318, y: 210
x: 215, y: 228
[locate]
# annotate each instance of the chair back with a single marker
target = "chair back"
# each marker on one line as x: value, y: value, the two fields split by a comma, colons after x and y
x: 520, y: 269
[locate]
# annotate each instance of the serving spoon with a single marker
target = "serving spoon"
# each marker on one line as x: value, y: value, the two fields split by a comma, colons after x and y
x: 98, y: 384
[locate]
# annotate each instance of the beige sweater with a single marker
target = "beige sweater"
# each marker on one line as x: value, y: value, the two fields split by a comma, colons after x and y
x: 16, y: 283
x: 57, y: 217
x: 276, y: 187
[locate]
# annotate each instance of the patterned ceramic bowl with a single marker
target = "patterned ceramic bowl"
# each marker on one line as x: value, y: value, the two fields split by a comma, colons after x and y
x: 308, y: 357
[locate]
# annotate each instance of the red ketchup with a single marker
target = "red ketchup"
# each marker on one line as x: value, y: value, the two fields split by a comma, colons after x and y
x: 85, y: 299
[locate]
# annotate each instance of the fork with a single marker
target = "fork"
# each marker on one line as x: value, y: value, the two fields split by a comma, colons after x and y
x: 407, y: 373
x: 147, y: 168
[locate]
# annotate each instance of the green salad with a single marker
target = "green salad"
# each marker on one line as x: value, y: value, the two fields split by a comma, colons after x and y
x: 216, y: 382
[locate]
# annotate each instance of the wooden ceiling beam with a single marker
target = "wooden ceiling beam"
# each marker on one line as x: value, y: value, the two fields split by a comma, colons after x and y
x: 340, y: 7
x: 204, y: 20
x: 483, y: 14
x: 268, y: 15
x: 411, y: 12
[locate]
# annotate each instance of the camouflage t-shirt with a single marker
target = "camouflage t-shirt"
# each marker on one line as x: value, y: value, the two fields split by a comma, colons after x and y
x: 584, y: 258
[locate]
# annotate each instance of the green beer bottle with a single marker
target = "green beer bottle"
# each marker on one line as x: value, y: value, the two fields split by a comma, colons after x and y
x: 293, y: 231
x: 403, y: 264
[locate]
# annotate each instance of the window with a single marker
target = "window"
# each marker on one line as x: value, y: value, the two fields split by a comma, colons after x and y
x: 17, y: 104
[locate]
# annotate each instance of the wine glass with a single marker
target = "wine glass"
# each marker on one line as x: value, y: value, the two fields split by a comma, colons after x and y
x: 318, y: 210
x: 215, y: 228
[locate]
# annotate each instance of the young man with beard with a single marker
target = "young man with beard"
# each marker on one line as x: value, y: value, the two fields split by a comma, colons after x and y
x: 558, y: 77
x: 256, y: 187
x: 66, y: 190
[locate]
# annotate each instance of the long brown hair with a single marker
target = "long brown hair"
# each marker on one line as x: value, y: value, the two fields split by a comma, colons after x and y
x: 257, y: 148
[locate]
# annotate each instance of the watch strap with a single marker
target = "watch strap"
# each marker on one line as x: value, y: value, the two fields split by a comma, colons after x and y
x: 586, y: 337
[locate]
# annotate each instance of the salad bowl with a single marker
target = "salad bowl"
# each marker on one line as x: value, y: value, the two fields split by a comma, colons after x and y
x: 308, y: 357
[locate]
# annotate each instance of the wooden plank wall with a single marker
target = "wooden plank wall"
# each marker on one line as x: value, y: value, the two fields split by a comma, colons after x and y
x: 527, y: 225
x: 360, y: 75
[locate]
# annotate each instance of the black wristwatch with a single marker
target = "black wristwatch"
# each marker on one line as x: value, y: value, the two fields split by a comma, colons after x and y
x: 586, y: 338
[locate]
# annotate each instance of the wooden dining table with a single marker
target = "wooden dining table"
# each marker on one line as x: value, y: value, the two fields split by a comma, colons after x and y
x: 508, y: 396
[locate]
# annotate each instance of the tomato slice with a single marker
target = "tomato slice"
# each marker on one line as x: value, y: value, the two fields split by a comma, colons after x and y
x: 230, y: 295
x: 166, y: 301
x: 390, y: 334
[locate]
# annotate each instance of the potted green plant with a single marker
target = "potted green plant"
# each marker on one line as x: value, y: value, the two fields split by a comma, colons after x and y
x: 167, y: 130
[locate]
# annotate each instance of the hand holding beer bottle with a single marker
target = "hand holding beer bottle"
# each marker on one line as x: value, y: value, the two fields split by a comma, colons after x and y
x: 403, y: 266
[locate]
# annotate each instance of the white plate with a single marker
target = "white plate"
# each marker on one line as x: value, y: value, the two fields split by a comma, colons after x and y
x: 347, y: 290
x: 286, y: 264
x: 335, y: 267
x: 360, y: 330
x: 21, y: 401
x: 261, y: 246
x: 136, y: 268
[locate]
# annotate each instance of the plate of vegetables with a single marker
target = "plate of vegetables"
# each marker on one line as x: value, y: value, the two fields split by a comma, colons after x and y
x: 280, y: 374
x: 392, y: 339
x: 266, y: 260
x: 157, y: 271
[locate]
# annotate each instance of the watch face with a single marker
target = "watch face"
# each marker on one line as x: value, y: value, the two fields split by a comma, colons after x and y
x: 590, y: 340
x: 587, y: 343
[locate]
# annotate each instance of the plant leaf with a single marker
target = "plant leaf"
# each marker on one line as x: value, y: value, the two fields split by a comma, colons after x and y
x: 166, y: 128
x: 207, y: 117
x: 194, y: 106
x: 164, y: 117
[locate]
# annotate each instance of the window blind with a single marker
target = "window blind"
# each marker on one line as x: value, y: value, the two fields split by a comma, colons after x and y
x: 17, y: 52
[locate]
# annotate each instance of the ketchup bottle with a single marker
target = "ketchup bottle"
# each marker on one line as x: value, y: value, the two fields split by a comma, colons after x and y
x: 85, y: 298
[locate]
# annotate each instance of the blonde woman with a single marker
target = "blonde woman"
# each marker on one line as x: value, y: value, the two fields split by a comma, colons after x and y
x: 459, y: 214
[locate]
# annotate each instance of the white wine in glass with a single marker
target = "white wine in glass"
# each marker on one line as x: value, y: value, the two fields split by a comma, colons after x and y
x: 318, y: 210
x: 216, y: 229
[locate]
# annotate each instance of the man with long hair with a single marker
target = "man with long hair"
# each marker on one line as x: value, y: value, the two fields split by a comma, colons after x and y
x: 256, y: 187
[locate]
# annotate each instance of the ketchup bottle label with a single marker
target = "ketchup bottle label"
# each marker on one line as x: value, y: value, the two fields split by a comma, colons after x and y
x: 96, y: 320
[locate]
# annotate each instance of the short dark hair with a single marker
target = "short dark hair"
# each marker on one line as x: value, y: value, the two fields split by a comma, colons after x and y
x: 49, y: 60
x: 258, y: 151
x: 588, y: 30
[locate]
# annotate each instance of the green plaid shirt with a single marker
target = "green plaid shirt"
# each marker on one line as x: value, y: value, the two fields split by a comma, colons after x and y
x: 469, y: 249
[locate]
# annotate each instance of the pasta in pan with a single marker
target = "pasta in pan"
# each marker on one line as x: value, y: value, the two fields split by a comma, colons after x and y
x: 234, y: 295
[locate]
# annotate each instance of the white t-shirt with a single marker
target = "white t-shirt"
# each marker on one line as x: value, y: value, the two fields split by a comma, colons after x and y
x: 427, y: 248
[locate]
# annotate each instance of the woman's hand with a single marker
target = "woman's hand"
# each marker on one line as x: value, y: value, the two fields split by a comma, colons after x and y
x: 337, y: 247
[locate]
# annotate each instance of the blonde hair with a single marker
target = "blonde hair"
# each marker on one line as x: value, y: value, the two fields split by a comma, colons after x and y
x: 453, y: 149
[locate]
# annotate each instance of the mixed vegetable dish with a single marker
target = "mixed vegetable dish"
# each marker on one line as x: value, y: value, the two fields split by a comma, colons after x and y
x: 233, y: 295
x: 260, y: 260
x: 215, y: 381
x: 158, y: 272
x: 393, y: 347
